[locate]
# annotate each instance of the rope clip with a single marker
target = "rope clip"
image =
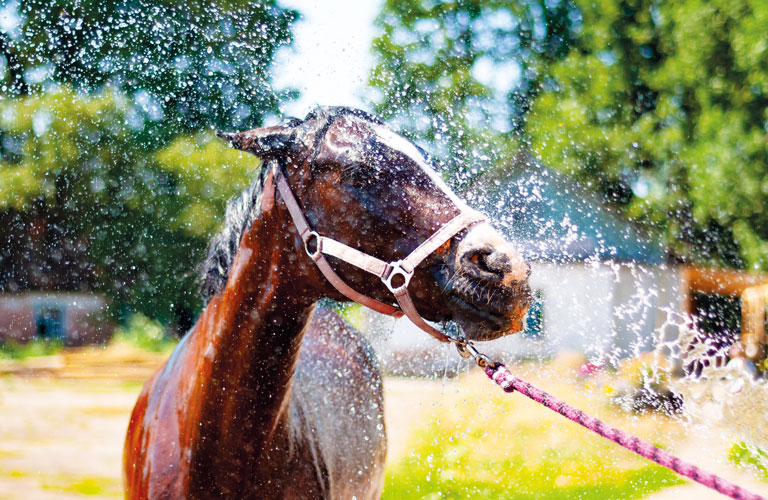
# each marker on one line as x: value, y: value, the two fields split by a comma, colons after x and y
x: 467, y: 349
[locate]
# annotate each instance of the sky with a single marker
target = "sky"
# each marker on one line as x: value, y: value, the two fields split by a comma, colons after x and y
x: 330, y: 58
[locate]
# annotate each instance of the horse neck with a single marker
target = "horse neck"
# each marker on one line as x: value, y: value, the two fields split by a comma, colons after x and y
x: 250, y: 336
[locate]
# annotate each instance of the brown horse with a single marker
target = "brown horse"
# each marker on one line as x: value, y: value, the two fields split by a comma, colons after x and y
x: 266, y: 397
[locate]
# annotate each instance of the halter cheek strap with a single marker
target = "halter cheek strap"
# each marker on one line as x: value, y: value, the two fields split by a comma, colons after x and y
x: 396, y: 275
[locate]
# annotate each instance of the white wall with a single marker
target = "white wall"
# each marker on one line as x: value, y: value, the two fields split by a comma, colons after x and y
x: 605, y: 310
x: 577, y: 307
x: 645, y: 299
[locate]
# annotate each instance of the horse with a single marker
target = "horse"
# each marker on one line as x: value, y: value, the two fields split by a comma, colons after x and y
x: 268, y: 396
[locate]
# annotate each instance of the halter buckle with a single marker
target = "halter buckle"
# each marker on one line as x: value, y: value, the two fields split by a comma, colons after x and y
x: 395, y: 269
x: 312, y: 235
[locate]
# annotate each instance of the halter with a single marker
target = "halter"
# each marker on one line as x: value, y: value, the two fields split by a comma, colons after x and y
x: 395, y: 275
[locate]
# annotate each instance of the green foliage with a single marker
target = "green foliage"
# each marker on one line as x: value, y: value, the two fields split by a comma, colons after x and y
x: 751, y: 457
x: 109, y: 214
x: 32, y: 349
x: 449, y: 70
x: 144, y: 333
x: 184, y: 65
x: 659, y: 107
x: 208, y: 173
x: 108, y: 181
x: 60, y: 137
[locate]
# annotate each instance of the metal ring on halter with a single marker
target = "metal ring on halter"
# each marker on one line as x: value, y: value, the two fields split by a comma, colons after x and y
x: 396, y: 269
x: 313, y: 255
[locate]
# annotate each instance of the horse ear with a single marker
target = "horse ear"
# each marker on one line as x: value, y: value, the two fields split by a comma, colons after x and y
x: 265, y: 142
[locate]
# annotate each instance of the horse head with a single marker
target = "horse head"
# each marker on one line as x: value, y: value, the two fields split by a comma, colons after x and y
x: 369, y: 188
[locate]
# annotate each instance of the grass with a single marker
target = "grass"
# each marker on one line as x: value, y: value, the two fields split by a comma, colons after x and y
x: 750, y: 457
x: 145, y: 334
x: 89, y: 486
x: 63, y: 483
x: 495, y: 445
x: 37, y: 347
x: 67, y: 443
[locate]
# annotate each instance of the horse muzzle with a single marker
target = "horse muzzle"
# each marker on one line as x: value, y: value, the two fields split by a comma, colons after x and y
x: 488, y: 284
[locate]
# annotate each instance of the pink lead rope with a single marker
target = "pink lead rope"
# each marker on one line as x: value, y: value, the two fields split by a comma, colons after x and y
x: 504, y: 378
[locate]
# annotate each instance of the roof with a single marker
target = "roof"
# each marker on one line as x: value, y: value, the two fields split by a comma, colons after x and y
x: 551, y: 217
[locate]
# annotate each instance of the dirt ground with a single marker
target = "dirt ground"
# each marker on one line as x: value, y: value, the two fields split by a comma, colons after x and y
x: 63, y: 421
x: 62, y: 424
x: 62, y: 439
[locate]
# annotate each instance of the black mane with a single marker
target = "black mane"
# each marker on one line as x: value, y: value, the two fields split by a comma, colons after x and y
x: 241, y: 212
x: 245, y: 208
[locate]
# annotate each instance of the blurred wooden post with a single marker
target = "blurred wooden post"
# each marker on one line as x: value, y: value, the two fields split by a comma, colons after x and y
x: 754, y: 303
x: 685, y: 290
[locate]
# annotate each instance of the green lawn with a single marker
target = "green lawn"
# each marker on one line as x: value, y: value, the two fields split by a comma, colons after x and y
x: 751, y: 458
x: 494, y: 445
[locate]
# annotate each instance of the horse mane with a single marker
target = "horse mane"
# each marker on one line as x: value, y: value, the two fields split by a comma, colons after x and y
x: 242, y: 210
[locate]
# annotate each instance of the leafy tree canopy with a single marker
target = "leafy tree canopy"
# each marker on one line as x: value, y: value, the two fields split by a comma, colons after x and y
x: 663, y: 108
x: 85, y: 206
x: 658, y: 106
x: 108, y: 180
x: 461, y: 72
x: 184, y: 65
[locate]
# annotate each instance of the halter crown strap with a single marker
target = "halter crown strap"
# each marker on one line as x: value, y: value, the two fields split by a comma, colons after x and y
x: 396, y: 275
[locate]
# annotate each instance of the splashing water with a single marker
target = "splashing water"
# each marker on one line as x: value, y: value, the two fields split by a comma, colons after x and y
x: 723, y: 394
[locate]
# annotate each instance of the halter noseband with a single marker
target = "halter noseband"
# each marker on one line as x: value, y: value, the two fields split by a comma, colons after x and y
x: 395, y: 275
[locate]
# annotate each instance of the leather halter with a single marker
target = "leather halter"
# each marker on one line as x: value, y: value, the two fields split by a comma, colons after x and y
x: 396, y: 275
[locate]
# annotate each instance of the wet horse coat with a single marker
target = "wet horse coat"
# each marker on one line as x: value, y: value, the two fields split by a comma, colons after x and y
x: 266, y: 398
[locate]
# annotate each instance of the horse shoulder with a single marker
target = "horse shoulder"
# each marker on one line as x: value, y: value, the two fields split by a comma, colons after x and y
x: 337, y: 408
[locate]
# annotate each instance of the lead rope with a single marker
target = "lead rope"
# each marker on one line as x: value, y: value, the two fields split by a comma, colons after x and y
x: 510, y: 383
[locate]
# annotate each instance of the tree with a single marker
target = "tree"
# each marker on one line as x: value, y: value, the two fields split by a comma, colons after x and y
x: 84, y: 206
x: 110, y: 179
x: 659, y: 107
x: 459, y: 73
x: 186, y: 65
x: 662, y: 108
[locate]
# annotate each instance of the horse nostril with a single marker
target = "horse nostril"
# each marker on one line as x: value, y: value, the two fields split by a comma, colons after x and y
x: 489, y: 263
x: 480, y: 260
x: 483, y: 262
